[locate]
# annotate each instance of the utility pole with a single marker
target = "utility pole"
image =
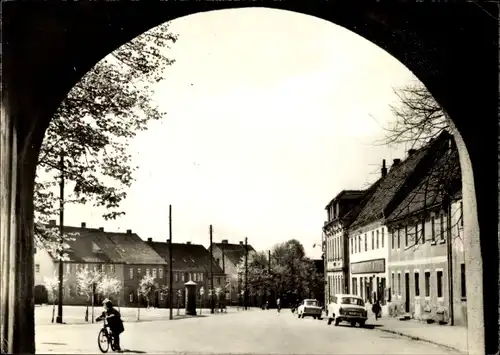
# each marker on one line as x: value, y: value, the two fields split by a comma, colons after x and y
x: 170, y: 270
x: 59, y: 318
x: 246, y: 274
x: 449, y: 250
x: 212, y: 306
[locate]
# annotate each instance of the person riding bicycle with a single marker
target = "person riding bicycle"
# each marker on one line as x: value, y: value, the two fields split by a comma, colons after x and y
x: 114, y: 321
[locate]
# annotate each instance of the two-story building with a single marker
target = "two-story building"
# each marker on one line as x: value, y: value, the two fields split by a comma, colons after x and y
x: 190, y: 262
x: 123, y: 256
x: 228, y: 256
x: 341, y: 211
x: 422, y: 228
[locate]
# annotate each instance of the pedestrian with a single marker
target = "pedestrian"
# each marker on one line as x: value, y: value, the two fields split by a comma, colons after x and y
x: 114, y: 321
x: 376, y: 309
x: 278, y: 304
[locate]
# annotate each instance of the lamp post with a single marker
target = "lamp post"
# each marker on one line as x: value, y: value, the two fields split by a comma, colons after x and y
x: 59, y: 318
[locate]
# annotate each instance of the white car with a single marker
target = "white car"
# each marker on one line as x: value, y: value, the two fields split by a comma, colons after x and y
x: 309, y: 308
x: 347, y: 308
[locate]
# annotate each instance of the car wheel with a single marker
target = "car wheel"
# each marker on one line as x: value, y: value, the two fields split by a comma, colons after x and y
x: 329, y: 321
x: 298, y: 315
x: 353, y: 324
x: 337, y: 321
x: 362, y: 323
x: 314, y: 317
x: 320, y: 318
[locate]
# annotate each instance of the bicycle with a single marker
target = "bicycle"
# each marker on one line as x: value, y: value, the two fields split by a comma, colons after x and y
x: 105, y: 338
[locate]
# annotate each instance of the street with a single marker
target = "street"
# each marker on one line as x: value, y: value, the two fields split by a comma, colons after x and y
x: 253, y: 331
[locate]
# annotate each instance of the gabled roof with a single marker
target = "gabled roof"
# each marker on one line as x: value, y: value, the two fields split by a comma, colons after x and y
x: 233, y: 252
x: 187, y: 257
x: 81, y: 248
x: 445, y: 171
x: 96, y: 246
x: 347, y: 195
x: 380, y: 203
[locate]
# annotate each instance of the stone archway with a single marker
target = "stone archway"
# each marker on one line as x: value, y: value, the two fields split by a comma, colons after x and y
x: 47, y: 48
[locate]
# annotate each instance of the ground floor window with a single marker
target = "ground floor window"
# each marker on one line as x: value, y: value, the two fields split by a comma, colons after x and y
x: 462, y: 279
x: 439, y: 277
x: 399, y: 284
x: 392, y: 284
x: 131, y: 297
x: 417, y: 284
x: 427, y: 284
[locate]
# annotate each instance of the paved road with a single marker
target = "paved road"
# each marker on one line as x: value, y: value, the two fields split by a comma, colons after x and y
x: 256, y: 332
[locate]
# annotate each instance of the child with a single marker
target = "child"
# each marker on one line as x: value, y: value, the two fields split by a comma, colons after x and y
x: 114, y: 321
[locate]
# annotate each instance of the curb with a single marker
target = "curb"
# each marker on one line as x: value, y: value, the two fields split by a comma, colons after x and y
x: 413, y: 337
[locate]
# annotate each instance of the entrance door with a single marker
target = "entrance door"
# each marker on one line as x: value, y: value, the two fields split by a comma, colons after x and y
x: 382, y: 290
x: 407, y: 292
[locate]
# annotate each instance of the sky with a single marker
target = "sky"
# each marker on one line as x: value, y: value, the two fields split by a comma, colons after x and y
x: 270, y: 114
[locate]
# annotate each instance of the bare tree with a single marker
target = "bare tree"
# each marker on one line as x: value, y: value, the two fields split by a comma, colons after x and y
x: 417, y: 117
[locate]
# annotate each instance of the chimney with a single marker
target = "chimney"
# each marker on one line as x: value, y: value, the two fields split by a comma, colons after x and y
x: 129, y: 231
x: 241, y: 243
x: 188, y: 243
x: 384, y: 168
x: 395, y: 162
x: 84, y: 225
x: 150, y: 240
x: 411, y: 152
x: 52, y: 222
x: 101, y: 229
x: 224, y: 241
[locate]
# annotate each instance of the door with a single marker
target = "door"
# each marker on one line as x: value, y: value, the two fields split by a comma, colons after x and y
x: 407, y: 292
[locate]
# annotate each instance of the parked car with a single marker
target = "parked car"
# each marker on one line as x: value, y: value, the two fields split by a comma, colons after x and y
x: 309, y: 308
x: 347, y: 308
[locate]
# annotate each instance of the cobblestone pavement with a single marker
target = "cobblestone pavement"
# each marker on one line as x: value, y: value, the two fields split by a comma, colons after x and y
x: 256, y: 332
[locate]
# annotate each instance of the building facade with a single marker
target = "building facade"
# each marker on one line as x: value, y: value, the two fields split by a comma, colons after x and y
x: 426, y: 244
x: 368, y: 234
x: 340, y: 212
x: 228, y: 256
x: 190, y: 262
x: 123, y: 256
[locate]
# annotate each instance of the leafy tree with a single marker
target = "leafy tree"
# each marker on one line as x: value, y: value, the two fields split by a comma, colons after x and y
x: 52, y: 285
x: 87, y: 281
x: 147, y: 288
x: 109, y: 286
x: 93, y: 126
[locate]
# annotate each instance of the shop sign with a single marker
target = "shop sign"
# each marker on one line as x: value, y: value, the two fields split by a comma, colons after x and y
x: 367, y: 267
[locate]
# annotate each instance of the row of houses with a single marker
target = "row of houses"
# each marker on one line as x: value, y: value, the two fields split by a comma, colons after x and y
x: 127, y: 257
x: 400, y: 241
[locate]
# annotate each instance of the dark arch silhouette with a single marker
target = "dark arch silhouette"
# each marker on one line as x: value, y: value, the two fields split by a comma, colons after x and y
x: 48, y: 47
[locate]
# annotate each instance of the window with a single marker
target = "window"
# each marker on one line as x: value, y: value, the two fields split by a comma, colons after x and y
x: 176, y: 277
x: 422, y: 234
x: 160, y: 273
x: 433, y: 229
x: 161, y: 296
x: 427, y: 284
x: 218, y: 281
x: 441, y: 225
x: 461, y: 215
x: 131, y: 273
x: 366, y: 243
x: 354, y: 286
x: 382, y: 237
x: 439, y: 275
x: 154, y: 273
x: 201, y: 277
x: 183, y: 278
x: 377, y: 240
x: 399, y: 237
x: 37, y: 267
x: 417, y: 284
x: 373, y: 240
x: 392, y: 284
x: 131, y: 297
x: 393, y: 236
x: 95, y: 267
x: 68, y: 268
x: 399, y: 284
x: 139, y: 270
x: 406, y: 235
x: 147, y: 272
x: 352, y: 248
x: 462, y: 281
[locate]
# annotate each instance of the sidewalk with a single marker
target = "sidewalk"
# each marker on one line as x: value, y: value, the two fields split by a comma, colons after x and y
x: 453, y: 337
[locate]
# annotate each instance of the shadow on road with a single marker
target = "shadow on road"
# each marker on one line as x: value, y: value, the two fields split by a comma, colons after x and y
x: 367, y: 326
x: 133, y: 351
